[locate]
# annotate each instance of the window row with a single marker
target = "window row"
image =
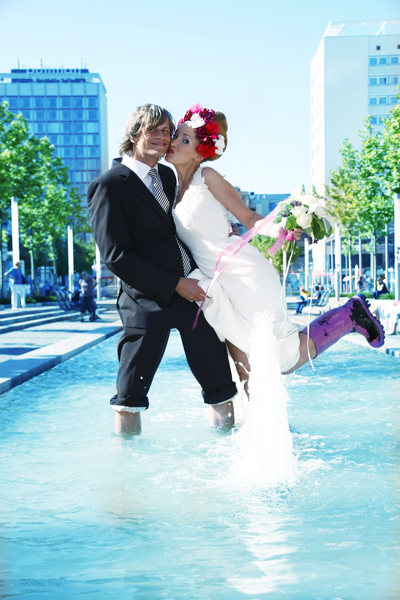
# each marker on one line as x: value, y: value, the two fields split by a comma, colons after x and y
x: 391, y: 80
x: 383, y: 60
x: 378, y: 120
x: 81, y: 164
x: 83, y: 176
x: 61, y: 115
x: 15, y: 102
x: 78, y: 152
x: 54, y: 128
x: 383, y: 100
x: 68, y: 140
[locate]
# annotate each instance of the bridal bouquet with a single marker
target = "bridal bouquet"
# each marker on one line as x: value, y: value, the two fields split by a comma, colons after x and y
x: 307, y: 212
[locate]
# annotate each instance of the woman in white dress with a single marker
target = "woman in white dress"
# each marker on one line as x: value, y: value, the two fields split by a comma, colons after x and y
x: 249, y: 283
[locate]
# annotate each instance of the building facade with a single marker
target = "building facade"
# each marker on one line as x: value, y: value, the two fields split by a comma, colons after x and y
x: 69, y: 107
x: 354, y: 73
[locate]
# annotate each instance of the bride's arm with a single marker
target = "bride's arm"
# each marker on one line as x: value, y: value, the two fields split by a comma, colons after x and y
x: 225, y: 193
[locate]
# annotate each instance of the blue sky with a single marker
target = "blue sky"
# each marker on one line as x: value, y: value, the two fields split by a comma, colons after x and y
x: 249, y: 59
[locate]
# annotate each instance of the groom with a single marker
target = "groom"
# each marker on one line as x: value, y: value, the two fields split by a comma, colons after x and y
x: 130, y: 210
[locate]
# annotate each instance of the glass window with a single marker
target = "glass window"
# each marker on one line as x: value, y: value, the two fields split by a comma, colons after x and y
x: 383, y: 60
x: 92, y: 127
x: 394, y: 80
x: 80, y: 151
x: 93, y: 163
x: 82, y: 189
x: 80, y: 176
x: 79, y: 127
x: 25, y: 102
x: 93, y: 115
x: 373, y: 101
x: 79, y: 140
x: 39, y: 128
x: 93, y: 140
x: 67, y: 140
x: 373, y: 81
x: 80, y: 164
x: 65, y: 102
x: 68, y: 162
x: 374, y: 120
x: 65, y: 115
x: 79, y: 115
x: 373, y: 61
x: 39, y: 102
x: 394, y: 100
x: 77, y: 102
x: 26, y: 114
x: 92, y: 102
x: 51, y: 102
x: 53, y: 127
x: 383, y: 100
x: 12, y: 102
x: 94, y: 151
x: 93, y: 175
x: 53, y: 139
x: 382, y: 80
x: 66, y: 152
x: 40, y: 115
x: 394, y: 60
x: 52, y: 115
x: 382, y: 118
x: 66, y: 127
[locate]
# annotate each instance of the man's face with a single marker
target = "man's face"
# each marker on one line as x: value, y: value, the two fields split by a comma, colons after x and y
x: 152, y: 144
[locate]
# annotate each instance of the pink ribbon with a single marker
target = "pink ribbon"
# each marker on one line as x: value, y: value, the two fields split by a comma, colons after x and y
x: 233, y: 248
x: 286, y: 236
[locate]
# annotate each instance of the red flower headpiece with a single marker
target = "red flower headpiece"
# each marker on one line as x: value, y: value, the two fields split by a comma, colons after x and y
x: 207, y: 130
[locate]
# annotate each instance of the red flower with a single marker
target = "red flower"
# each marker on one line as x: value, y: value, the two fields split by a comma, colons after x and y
x: 206, y: 151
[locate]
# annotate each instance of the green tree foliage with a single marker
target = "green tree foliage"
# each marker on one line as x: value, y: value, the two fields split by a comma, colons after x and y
x: 30, y: 171
x: 263, y: 244
x: 360, y: 193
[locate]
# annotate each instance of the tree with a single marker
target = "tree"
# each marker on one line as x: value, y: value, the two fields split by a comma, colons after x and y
x: 30, y: 171
x: 263, y: 244
x: 361, y: 189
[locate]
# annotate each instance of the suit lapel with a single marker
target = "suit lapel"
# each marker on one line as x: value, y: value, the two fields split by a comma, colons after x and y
x: 137, y: 186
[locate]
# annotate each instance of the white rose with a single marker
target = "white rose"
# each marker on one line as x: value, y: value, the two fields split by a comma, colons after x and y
x: 298, y: 210
x: 307, y: 199
x: 304, y: 220
x: 320, y: 211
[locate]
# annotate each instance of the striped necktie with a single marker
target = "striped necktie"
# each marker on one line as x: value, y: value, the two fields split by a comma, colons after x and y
x: 163, y: 201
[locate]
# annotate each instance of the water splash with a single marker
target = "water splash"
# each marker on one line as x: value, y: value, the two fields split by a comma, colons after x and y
x: 264, y: 442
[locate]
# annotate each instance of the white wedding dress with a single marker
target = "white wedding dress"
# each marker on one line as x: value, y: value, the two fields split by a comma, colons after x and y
x: 249, y: 283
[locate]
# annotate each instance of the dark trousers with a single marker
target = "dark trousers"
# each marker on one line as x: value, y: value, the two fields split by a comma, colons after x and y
x: 140, y: 352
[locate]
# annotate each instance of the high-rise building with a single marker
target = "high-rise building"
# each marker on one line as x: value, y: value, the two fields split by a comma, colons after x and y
x: 69, y: 107
x: 354, y: 73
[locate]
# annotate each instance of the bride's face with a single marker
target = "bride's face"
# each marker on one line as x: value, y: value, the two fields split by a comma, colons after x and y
x: 183, y: 146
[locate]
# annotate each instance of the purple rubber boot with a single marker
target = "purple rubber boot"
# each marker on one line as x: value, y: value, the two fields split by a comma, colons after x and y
x: 353, y: 316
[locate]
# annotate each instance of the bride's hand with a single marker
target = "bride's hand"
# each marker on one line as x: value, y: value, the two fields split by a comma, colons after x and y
x: 188, y: 289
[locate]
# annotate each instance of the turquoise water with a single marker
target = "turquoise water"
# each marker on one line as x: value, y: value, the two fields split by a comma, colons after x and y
x: 88, y: 514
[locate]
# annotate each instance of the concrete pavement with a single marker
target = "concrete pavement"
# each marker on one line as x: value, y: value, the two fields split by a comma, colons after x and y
x: 33, y: 350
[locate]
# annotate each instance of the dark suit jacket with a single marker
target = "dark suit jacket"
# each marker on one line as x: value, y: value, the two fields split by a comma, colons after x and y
x: 136, y: 238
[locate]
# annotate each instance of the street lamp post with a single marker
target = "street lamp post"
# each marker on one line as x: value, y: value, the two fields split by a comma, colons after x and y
x: 397, y: 243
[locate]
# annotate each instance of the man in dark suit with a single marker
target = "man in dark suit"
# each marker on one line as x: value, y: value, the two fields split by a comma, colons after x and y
x: 130, y: 210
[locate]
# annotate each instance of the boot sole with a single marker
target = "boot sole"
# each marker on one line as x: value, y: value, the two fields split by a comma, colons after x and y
x: 380, y: 340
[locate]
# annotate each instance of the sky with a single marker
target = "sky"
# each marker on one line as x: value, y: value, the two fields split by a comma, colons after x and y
x: 249, y: 59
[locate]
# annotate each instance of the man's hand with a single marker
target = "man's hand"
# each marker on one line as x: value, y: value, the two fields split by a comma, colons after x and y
x: 188, y: 289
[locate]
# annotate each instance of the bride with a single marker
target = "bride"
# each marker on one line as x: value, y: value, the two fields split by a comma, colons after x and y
x: 249, y: 283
